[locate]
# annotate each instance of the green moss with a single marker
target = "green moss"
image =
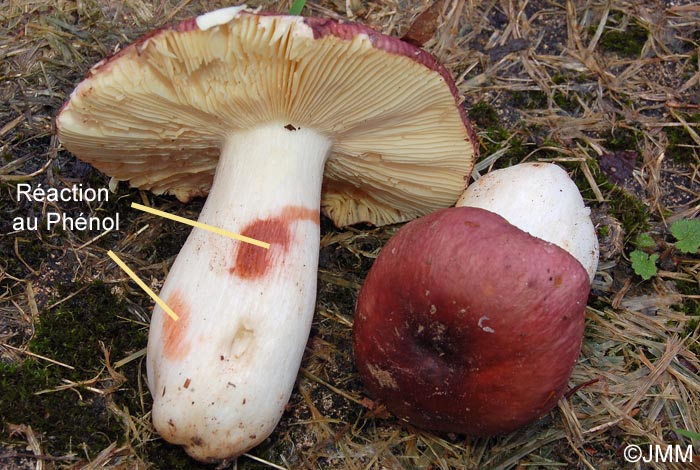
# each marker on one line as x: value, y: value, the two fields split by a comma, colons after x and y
x: 170, y: 457
x: 632, y: 213
x: 518, y: 150
x: 484, y: 116
x: 628, y: 42
x: 566, y: 102
x: 32, y: 249
x: 681, y: 146
x: 577, y: 175
x: 67, y: 420
x: 560, y: 78
x: 71, y: 333
x: 562, y: 97
x: 690, y: 306
x: 495, y: 136
x: 622, y: 139
x: 536, y: 99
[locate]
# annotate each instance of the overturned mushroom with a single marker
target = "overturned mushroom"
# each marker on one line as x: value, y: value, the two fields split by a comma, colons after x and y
x: 471, y: 318
x: 251, y: 108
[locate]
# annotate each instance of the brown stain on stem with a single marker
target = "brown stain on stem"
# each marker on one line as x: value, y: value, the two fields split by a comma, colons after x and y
x: 174, y: 332
x: 253, y: 262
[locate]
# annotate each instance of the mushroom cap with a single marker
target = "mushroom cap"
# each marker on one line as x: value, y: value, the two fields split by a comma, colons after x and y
x: 542, y: 200
x: 157, y: 113
x: 467, y: 324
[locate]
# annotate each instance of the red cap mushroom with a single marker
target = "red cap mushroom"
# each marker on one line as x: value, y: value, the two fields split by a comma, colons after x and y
x: 467, y: 324
x: 251, y: 108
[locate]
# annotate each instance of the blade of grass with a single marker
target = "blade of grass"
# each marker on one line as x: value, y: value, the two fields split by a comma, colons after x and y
x: 297, y: 6
x: 688, y: 434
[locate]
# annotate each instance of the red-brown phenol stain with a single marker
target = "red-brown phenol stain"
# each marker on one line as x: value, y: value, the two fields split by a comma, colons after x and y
x: 253, y: 262
x: 174, y: 345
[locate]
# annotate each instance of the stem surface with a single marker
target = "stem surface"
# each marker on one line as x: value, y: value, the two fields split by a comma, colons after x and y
x: 222, y: 374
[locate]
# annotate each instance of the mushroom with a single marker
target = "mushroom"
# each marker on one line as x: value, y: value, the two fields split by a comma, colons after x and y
x: 251, y: 108
x: 540, y: 199
x: 467, y: 324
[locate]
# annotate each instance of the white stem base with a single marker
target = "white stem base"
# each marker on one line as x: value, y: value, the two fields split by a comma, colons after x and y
x: 540, y: 199
x: 222, y: 374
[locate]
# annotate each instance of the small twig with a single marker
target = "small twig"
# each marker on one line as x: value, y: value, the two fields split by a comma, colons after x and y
x: 11, y: 124
x: 129, y: 358
x: 19, y: 257
x: 580, y: 455
x: 26, y: 455
x: 38, y: 356
x: 4, y: 178
x: 265, y: 462
x: 496, y: 53
x: 604, y: 426
x: 677, y: 104
x: 31, y: 300
x: 582, y: 385
x: 591, y: 182
x: 68, y: 297
x: 70, y: 385
x: 93, y: 240
x: 331, y: 387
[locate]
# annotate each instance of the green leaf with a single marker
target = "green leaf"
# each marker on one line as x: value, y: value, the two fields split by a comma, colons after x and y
x: 688, y: 434
x: 644, y: 240
x: 643, y: 264
x: 687, y: 232
x: 297, y: 6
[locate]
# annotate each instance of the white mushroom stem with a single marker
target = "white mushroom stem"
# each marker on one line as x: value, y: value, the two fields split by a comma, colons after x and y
x: 222, y: 374
x: 540, y: 199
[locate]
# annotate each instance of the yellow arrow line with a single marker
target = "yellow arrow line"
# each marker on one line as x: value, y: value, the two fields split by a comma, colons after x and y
x: 211, y: 228
x: 143, y: 285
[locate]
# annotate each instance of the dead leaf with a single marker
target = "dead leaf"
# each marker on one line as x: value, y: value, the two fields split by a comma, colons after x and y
x: 424, y: 26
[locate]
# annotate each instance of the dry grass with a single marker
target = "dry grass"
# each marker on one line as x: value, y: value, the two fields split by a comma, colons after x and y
x: 573, y: 82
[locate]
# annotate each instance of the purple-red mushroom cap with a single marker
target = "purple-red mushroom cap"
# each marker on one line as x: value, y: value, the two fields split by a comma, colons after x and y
x: 467, y: 324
